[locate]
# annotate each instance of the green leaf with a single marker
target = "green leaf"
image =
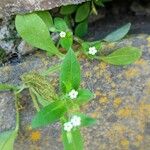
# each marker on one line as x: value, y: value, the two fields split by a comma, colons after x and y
x: 47, y: 18
x: 86, y: 120
x: 60, y: 24
x: 6, y: 87
x: 123, y: 56
x: 35, y: 32
x: 70, y: 72
x: 72, y: 140
x: 49, y: 114
x: 67, y: 10
x: 83, y: 12
x: 67, y: 41
x: 118, y: 34
x: 81, y: 29
x: 7, y: 140
x: 99, y: 2
x: 84, y: 96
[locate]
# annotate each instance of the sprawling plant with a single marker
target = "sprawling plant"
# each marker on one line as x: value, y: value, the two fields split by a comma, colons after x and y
x: 63, y: 105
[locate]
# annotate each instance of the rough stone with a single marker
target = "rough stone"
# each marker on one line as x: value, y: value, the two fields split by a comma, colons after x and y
x: 9, y: 7
x: 121, y: 106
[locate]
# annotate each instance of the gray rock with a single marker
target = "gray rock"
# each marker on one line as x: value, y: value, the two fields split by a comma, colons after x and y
x: 121, y: 106
x: 9, y: 7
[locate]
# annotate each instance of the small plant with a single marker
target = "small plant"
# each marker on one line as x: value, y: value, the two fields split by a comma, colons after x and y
x: 63, y: 105
x: 35, y: 28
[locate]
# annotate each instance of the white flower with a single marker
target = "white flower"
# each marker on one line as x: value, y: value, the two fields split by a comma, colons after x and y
x: 73, y: 94
x: 68, y: 126
x: 62, y: 34
x: 92, y: 50
x: 76, y: 121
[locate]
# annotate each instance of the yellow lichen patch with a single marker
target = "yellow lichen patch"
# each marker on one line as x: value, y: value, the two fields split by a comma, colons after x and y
x: 141, y: 62
x: 95, y: 115
x: 117, y: 102
x: 124, y: 143
x: 132, y: 72
x: 139, y: 138
x: 125, y: 112
x: 88, y: 74
x: 35, y: 136
x: 117, y: 131
x: 145, y: 108
x: 98, y: 93
x: 103, y: 66
x: 103, y: 100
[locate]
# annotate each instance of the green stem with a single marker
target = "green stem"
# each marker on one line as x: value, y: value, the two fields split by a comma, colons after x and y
x: 34, y: 100
x: 17, y: 111
x: 4, y: 87
x: 78, y: 40
x: 51, y: 70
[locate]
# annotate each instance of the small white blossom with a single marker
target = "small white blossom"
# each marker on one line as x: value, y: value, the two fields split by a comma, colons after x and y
x: 62, y: 34
x: 68, y: 126
x: 73, y: 94
x: 76, y: 121
x: 92, y: 50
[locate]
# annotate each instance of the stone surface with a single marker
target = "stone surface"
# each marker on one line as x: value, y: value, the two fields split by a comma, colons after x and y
x: 9, y: 7
x: 121, y: 106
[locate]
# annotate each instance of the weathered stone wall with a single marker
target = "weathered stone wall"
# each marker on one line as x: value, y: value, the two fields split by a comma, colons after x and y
x: 8, y: 7
x: 121, y: 106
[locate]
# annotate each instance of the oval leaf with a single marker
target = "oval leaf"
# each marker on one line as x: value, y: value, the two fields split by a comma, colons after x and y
x: 7, y: 140
x: 82, y: 12
x: 35, y: 32
x: 47, y: 18
x: 67, y: 10
x: 67, y: 41
x: 86, y: 120
x: 84, y: 96
x: 49, y: 114
x: 60, y: 24
x: 70, y: 73
x: 123, y: 56
x: 72, y: 140
x: 81, y: 29
x: 118, y: 34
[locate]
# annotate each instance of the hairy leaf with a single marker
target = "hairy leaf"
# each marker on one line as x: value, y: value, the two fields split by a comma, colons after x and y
x: 7, y: 140
x: 60, y: 24
x: 47, y: 18
x: 35, y: 32
x: 123, y: 56
x: 118, y: 34
x: 67, y: 10
x: 81, y: 29
x: 72, y: 140
x: 84, y: 96
x: 82, y: 12
x: 49, y: 114
x: 70, y: 73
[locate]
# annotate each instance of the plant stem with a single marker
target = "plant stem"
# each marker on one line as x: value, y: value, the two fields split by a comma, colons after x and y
x: 78, y: 40
x: 17, y: 111
x: 51, y: 70
x: 34, y: 100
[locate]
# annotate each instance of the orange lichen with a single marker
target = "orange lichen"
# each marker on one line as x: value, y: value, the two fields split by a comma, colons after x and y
x: 125, y: 112
x: 124, y: 143
x: 103, y: 66
x: 132, y: 72
x: 35, y: 136
x: 103, y: 100
x: 141, y: 62
x: 117, y: 102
